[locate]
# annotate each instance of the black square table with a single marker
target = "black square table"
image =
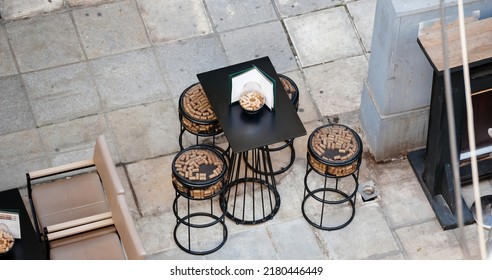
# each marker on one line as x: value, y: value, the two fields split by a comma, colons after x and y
x: 251, y: 195
x: 29, y: 246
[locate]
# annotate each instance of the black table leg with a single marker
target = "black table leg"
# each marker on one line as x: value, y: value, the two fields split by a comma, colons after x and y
x: 251, y: 195
x: 288, y: 144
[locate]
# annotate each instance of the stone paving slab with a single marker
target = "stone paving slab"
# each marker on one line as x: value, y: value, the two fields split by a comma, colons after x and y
x: 295, y: 240
x: 405, y: 203
x: 22, y: 145
x: 199, y: 239
x: 470, y: 244
x: 151, y: 182
x: 14, y: 173
x: 432, y: 243
x: 20, y: 152
x: 110, y: 29
x: 290, y: 189
x: 175, y: 254
x: 74, y: 3
x: 174, y: 19
x: 182, y: 61
x: 314, y: 42
x: 10, y: 10
x: 392, y: 256
x: 62, y: 93
x: 44, y: 42
x: 336, y: 86
x: 308, y: 111
x: 69, y: 156
x: 236, y: 247
x: 276, y: 45
x: 7, y: 63
x: 350, y: 119
x: 66, y: 136
x: 363, y: 13
x: 127, y: 79
x: 368, y: 234
x: 145, y: 131
x: 130, y: 199
x: 393, y: 171
x: 330, y: 215
x: 292, y: 182
x: 65, y: 143
x: 156, y: 232
x: 16, y: 114
x: 289, y: 8
x: 228, y: 15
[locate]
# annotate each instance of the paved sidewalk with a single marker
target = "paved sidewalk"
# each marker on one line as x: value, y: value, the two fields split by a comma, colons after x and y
x: 118, y: 68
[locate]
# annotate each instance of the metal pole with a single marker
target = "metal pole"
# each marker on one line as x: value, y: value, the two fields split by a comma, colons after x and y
x: 471, y: 130
x: 452, y: 130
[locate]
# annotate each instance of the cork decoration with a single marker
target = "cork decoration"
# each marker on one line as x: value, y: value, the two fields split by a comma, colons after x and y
x: 332, y: 146
x: 198, y: 167
x: 198, y: 115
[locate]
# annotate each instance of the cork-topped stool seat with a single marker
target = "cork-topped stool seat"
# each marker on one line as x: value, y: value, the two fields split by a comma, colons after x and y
x: 199, y: 175
x: 196, y: 115
x: 291, y: 89
x: 334, y: 152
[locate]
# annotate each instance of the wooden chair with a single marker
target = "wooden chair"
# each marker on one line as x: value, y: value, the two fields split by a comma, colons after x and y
x: 84, y: 216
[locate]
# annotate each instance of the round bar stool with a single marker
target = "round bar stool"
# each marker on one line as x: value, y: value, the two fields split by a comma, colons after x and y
x: 197, y: 117
x: 334, y: 152
x: 199, y: 175
x: 292, y: 91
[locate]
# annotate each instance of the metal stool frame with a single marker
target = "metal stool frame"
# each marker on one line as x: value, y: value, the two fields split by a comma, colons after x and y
x: 186, y: 219
x: 347, y: 197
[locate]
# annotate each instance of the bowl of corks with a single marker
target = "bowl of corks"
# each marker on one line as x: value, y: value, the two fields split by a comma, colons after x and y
x: 252, y: 98
x: 7, y: 240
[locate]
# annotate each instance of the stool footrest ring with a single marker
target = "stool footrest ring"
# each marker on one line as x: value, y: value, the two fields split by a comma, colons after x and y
x: 200, y: 252
x: 320, y: 223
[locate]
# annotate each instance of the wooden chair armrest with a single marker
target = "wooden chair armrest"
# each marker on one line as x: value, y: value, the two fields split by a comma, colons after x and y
x: 60, y: 169
x: 79, y: 229
x: 77, y: 226
x: 78, y: 222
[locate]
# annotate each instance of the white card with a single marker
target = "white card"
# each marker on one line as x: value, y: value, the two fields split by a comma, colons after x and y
x: 12, y: 221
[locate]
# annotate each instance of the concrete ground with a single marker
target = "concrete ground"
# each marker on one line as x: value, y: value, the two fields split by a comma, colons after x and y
x: 117, y: 68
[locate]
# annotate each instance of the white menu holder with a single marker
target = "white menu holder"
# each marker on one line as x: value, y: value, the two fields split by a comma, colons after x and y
x: 253, y: 74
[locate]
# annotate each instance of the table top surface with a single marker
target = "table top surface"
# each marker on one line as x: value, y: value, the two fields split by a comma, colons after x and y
x: 28, y: 247
x: 246, y: 131
x: 479, y: 44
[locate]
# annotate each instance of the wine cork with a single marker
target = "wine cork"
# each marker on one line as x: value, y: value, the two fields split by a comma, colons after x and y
x: 334, y: 143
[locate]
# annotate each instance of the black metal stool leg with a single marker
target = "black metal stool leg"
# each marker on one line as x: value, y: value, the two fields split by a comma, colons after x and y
x: 346, y: 199
x: 180, y: 138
